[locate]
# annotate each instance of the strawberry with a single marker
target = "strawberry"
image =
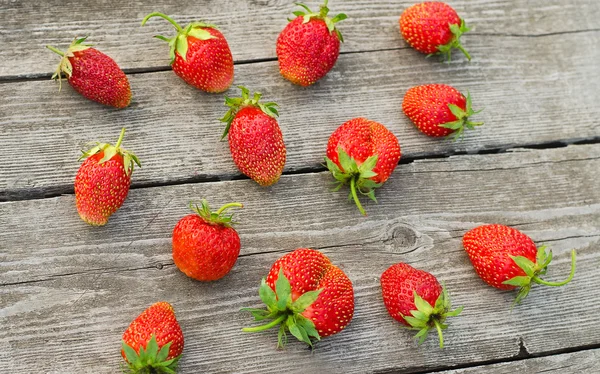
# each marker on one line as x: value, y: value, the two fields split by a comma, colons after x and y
x: 309, y: 45
x: 199, y: 54
x: 205, y: 246
x: 364, y: 154
x: 93, y: 74
x: 506, y: 258
x: 416, y: 299
x: 103, y: 180
x: 439, y: 110
x: 305, y: 294
x: 255, y: 139
x: 433, y: 28
x: 153, y: 342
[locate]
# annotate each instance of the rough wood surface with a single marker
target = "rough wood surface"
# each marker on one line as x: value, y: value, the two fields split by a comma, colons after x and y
x: 70, y: 290
x: 175, y: 131
x: 114, y: 26
x: 577, y: 362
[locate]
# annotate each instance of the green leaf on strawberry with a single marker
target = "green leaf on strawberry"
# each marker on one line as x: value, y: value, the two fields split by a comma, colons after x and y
x: 462, y: 119
x: 150, y: 359
x: 179, y: 43
x: 427, y: 317
x: 284, y: 312
x: 358, y: 177
x: 457, y: 31
x: 534, y: 270
x: 237, y: 103
x: 111, y: 150
x: 322, y: 15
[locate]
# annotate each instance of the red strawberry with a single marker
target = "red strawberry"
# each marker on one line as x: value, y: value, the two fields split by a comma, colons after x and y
x: 93, y: 74
x: 307, y: 295
x: 309, y: 46
x: 439, y: 110
x: 416, y: 299
x: 103, y: 180
x: 200, y: 55
x: 154, y: 341
x: 506, y: 258
x: 255, y: 139
x: 205, y: 246
x: 433, y: 28
x: 364, y: 154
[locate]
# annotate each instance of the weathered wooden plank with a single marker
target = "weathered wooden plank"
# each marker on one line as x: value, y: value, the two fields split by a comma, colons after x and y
x: 175, y: 131
x: 577, y: 362
x: 71, y: 290
x: 250, y: 26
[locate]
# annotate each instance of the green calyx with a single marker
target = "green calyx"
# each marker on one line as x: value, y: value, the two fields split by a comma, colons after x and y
x: 428, y: 317
x: 446, y: 49
x: 284, y: 312
x: 322, y: 14
x: 149, y: 360
x: 65, y: 65
x: 462, y: 119
x: 534, y: 270
x: 218, y: 217
x: 237, y: 103
x: 111, y: 150
x: 179, y: 42
x: 357, y: 176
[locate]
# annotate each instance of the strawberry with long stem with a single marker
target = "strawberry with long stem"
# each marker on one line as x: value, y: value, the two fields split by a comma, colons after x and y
x: 507, y: 259
x: 199, y: 54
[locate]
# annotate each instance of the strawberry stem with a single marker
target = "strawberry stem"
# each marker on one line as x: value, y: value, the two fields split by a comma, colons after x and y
x: 558, y: 284
x: 269, y: 325
x: 162, y: 15
x: 355, y: 196
x: 226, y: 206
x: 463, y: 50
x: 120, y: 140
x: 55, y: 50
x: 439, y: 330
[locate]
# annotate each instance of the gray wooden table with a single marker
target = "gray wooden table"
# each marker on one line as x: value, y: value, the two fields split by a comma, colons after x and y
x: 68, y: 291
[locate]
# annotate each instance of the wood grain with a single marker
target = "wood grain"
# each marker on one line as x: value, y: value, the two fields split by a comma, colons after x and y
x: 70, y: 290
x: 578, y: 362
x: 175, y: 131
x: 251, y: 26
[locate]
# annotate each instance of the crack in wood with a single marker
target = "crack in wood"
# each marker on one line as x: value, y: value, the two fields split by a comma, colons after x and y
x: 156, y: 69
x: 56, y: 191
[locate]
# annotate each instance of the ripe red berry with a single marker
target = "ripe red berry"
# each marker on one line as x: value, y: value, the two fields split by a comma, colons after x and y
x: 205, y: 246
x: 93, y: 74
x: 506, y: 258
x: 439, y: 110
x: 309, y: 46
x: 199, y: 54
x: 102, y: 181
x: 306, y: 295
x: 433, y: 28
x: 416, y: 299
x: 153, y: 342
x: 364, y: 154
x: 255, y: 139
